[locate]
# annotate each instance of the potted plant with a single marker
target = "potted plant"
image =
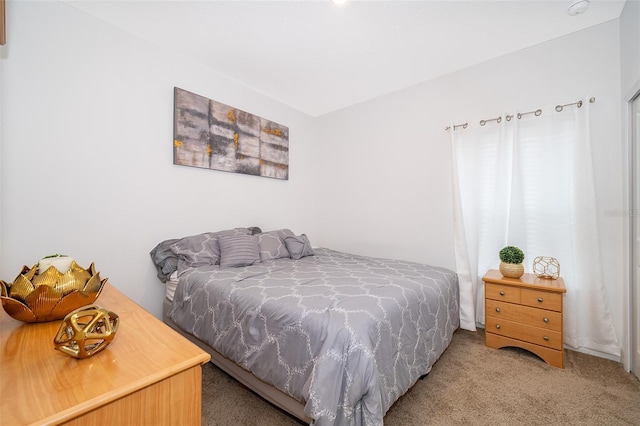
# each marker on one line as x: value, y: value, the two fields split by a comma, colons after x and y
x: 511, y: 258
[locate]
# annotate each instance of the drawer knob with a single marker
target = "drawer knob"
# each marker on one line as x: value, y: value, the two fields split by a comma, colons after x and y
x: 540, y: 299
x: 498, y: 326
x: 545, y: 320
x: 546, y: 338
x: 502, y: 293
x: 497, y: 309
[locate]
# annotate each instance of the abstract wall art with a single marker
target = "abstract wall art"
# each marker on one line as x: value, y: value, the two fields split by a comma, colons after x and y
x: 212, y: 135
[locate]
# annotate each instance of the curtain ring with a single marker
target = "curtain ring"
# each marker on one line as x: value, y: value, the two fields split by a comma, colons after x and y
x: 538, y: 112
x: 497, y: 120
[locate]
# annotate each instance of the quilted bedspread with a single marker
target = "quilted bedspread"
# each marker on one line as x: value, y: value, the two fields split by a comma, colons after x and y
x: 346, y: 335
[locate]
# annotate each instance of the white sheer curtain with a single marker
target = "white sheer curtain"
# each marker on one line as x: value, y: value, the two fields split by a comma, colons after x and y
x: 528, y: 182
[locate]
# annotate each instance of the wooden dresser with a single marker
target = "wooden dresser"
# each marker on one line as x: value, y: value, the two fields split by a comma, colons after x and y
x: 148, y: 375
x: 525, y: 312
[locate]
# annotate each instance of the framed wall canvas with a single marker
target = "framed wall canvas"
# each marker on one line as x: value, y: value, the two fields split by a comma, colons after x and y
x: 212, y: 135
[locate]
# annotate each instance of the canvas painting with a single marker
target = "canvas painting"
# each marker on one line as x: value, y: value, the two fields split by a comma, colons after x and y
x: 215, y: 136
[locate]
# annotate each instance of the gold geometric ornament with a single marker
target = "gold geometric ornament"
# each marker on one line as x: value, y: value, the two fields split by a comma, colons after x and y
x: 50, y: 295
x: 86, y: 331
x: 546, y: 267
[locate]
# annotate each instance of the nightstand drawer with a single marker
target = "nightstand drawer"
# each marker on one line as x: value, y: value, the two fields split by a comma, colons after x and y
x: 504, y: 293
x: 542, y: 318
x: 539, y: 336
x: 541, y: 299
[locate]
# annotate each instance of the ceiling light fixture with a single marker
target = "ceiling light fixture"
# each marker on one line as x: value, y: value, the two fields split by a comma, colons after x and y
x: 577, y: 7
x: 338, y: 1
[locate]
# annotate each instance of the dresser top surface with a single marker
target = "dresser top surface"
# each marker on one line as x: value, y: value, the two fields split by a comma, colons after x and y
x: 526, y: 281
x: 41, y: 385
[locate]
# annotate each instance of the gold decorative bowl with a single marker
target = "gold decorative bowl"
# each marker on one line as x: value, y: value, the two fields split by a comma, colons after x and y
x: 50, y: 295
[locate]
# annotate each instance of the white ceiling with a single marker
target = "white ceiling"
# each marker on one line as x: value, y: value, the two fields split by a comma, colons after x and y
x: 319, y: 57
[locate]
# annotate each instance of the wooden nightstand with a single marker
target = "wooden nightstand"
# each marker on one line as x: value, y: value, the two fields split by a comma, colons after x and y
x: 148, y: 375
x: 525, y: 312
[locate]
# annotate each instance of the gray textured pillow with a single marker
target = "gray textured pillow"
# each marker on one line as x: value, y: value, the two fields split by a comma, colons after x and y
x: 164, y: 259
x: 298, y: 246
x: 239, y: 250
x: 201, y: 249
x: 271, y: 244
x: 254, y: 230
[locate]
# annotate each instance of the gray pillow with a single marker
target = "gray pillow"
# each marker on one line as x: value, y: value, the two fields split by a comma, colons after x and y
x: 165, y: 260
x: 238, y: 250
x: 201, y: 249
x: 298, y: 246
x: 271, y: 244
x: 254, y: 230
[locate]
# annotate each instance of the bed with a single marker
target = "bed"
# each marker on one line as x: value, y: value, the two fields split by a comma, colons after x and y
x: 330, y: 337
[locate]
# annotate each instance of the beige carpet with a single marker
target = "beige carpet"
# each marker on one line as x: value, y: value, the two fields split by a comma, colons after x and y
x: 471, y: 385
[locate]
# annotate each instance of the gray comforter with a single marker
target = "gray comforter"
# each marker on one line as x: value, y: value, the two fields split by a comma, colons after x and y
x: 346, y: 334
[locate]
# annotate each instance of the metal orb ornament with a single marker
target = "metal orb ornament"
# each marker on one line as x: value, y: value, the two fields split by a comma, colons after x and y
x: 546, y: 267
x: 86, y: 331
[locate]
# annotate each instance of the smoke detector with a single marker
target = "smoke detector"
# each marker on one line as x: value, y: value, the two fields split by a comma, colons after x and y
x: 577, y: 7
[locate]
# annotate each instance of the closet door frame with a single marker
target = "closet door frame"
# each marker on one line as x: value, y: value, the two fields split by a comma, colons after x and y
x: 631, y: 344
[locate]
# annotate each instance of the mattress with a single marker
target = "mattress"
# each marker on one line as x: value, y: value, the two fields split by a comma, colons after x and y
x: 345, y: 335
x: 170, y: 285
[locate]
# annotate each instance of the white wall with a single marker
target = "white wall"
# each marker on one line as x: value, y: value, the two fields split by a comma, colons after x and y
x: 387, y: 186
x: 87, y: 167
x: 630, y: 47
